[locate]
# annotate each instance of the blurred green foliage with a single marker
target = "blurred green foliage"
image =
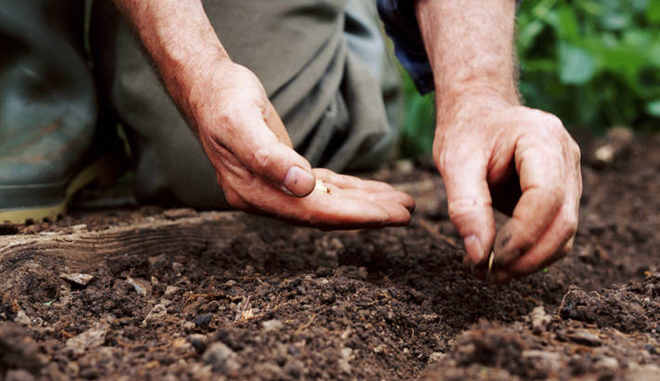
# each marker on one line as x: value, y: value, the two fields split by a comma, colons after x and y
x: 594, y: 63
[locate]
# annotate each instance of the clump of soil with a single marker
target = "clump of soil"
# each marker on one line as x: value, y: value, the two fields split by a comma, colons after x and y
x: 251, y: 298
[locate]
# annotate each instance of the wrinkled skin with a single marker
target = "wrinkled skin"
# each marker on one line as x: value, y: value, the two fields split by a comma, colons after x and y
x: 520, y: 161
x: 250, y: 149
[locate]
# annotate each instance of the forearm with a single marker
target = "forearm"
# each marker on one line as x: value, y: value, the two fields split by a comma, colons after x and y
x: 182, y: 43
x: 470, y: 47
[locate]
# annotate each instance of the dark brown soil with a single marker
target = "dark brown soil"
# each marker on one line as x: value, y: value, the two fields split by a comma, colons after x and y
x: 283, y: 303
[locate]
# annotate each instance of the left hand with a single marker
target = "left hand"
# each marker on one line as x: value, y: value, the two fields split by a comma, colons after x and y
x: 522, y: 161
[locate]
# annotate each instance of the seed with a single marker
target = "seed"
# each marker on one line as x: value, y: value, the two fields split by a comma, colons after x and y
x: 320, y: 185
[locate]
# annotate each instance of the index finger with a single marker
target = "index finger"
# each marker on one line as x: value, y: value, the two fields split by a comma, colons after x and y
x: 540, y: 170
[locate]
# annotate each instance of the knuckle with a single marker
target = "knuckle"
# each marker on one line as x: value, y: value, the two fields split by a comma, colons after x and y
x: 263, y: 159
x: 548, y: 124
x: 552, y: 122
x: 448, y: 161
x: 228, y: 120
x: 323, y: 172
x: 574, y: 148
x: 462, y: 210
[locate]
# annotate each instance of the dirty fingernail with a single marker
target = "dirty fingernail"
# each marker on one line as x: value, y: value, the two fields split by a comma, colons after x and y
x: 299, y: 182
x: 474, y: 248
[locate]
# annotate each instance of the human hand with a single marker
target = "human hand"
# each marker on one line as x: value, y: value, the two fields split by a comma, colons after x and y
x: 258, y: 170
x: 492, y: 153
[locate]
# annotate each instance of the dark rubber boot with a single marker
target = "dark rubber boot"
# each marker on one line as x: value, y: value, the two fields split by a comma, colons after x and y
x: 47, y: 109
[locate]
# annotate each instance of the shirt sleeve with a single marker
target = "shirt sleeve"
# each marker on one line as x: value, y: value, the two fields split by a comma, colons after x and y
x: 402, y: 27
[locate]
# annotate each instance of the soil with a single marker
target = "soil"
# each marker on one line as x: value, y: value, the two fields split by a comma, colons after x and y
x: 251, y: 298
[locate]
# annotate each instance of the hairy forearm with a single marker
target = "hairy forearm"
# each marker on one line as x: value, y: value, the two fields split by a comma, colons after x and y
x: 470, y: 47
x: 182, y: 43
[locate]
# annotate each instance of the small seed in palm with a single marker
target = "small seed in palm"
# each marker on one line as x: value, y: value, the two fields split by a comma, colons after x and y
x: 320, y: 185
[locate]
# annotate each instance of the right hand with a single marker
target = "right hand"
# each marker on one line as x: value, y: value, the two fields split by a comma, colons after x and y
x: 258, y: 170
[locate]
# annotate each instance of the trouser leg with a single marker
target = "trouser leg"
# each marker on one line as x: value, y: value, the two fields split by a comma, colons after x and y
x: 365, y: 39
x: 366, y: 43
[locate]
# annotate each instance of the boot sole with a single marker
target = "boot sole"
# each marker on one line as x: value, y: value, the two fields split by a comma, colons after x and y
x: 90, y: 173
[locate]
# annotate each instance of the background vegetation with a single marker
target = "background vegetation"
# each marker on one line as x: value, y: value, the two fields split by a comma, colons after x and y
x: 594, y: 63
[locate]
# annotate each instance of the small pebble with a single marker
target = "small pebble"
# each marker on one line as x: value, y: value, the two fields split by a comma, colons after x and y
x: 158, y: 313
x: 221, y: 358
x: 585, y: 337
x: 540, y: 320
x: 181, y: 346
x: 437, y: 356
x: 272, y: 325
x: 174, y: 214
x: 177, y: 267
x: 380, y: 348
x: 189, y: 326
x: 170, y: 290
x: 550, y: 360
x: 77, y: 278
x: 203, y: 320
x: 22, y: 318
x: 404, y: 166
x: 139, y: 286
x: 607, y: 363
x: 92, y: 338
x: 346, y: 355
x: 198, y: 342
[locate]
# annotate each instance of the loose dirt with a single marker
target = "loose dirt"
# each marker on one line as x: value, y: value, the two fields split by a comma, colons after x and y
x: 251, y: 298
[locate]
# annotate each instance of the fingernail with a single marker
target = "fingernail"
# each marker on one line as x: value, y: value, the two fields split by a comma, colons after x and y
x: 298, y: 181
x: 474, y: 248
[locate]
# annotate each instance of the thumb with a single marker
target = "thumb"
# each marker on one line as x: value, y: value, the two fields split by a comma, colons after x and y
x: 266, y: 151
x: 470, y: 206
x: 276, y: 125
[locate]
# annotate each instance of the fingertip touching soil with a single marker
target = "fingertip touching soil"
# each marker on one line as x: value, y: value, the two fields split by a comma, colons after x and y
x: 187, y: 295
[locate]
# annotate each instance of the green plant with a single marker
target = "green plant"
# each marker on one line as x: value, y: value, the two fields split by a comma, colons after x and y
x: 594, y: 63
x: 418, y: 121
